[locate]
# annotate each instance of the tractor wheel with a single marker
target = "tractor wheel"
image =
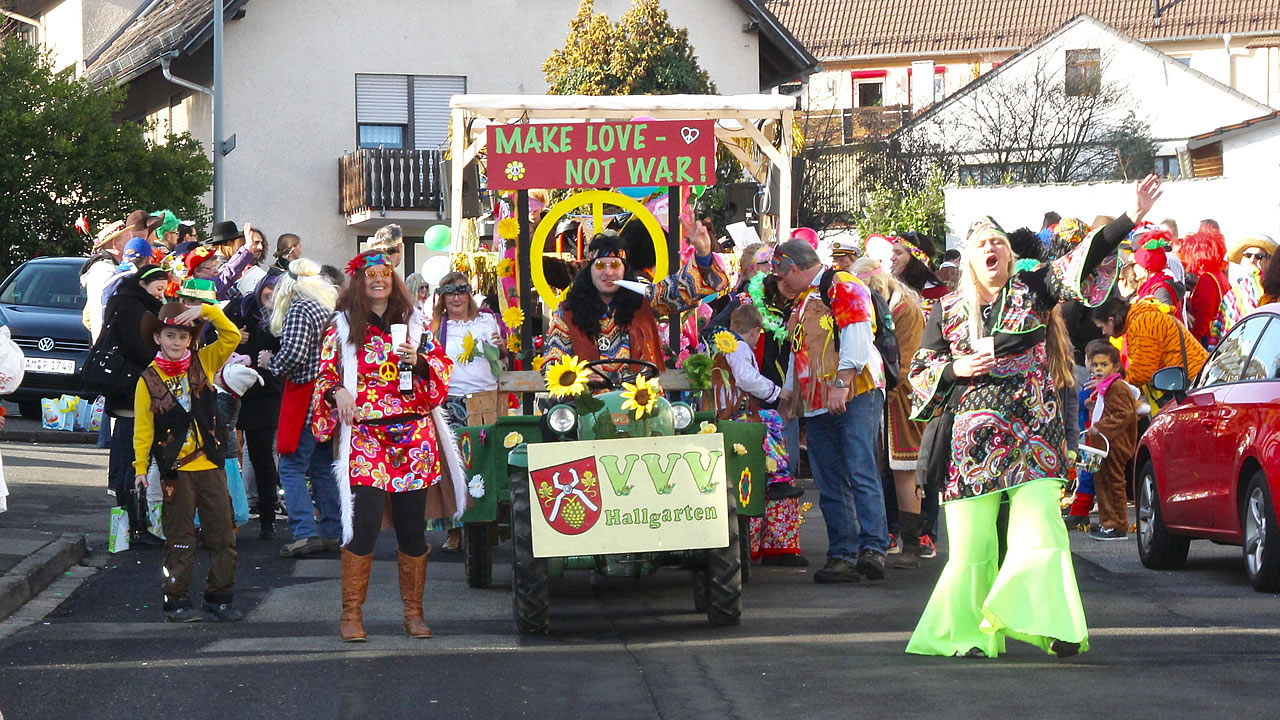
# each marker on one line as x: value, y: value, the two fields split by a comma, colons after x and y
x: 724, y: 577
x: 530, y: 596
x: 744, y: 547
x: 700, y: 585
x: 477, y: 554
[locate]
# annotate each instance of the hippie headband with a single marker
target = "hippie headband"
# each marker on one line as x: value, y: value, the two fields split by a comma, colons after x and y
x: 916, y: 252
x: 451, y: 288
x: 364, y: 261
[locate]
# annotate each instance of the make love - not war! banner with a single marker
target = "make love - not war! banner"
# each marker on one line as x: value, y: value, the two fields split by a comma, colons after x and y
x: 631, y: 495
x: 602, y: 154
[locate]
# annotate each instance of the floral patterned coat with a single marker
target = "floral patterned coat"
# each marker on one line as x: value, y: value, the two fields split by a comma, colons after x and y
x: 394, y: 443
x: 1008, y: 425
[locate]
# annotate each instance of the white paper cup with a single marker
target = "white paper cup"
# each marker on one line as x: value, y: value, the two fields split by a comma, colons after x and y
x: 399, y: 334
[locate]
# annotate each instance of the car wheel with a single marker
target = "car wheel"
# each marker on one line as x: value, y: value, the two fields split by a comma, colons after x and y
x: 29, y: 409
x: 530, y: 584
x: 1258, y: 520
x: 1158, y: 548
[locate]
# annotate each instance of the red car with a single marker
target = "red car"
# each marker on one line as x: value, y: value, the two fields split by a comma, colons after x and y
x: 1209, y: 465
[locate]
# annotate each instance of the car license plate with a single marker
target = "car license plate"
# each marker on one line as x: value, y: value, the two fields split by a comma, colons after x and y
x: 51, y: 366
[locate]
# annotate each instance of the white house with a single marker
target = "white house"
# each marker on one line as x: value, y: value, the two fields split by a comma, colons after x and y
x: 1085, y: 57
x: 322, y: 95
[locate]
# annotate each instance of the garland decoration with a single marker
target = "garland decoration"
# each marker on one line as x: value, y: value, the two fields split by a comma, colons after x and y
x: 773, y: 323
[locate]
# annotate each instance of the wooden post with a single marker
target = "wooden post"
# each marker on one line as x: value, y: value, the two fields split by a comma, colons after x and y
x: 673, y: 257
x: 528, y: 296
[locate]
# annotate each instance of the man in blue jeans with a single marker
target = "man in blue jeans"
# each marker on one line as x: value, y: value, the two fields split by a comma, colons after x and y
x: 314, y: 461
x: 836, y: 381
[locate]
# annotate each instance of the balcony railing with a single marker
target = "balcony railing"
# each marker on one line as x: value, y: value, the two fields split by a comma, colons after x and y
x: 389, y: 179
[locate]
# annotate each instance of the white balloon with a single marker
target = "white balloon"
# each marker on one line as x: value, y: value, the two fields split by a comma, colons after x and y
x: 435, y: 268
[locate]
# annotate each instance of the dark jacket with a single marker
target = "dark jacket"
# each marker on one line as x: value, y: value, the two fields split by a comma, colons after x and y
x: 260, y: 406
x: 123, y: 315
x: 172, y: 423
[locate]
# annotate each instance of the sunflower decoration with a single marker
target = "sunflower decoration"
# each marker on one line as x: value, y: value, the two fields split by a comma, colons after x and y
x: 513, y: 343
x: 506, y: 268
x: 513, y: 317
x: 508, y: 228
x: 468, y: 349
x: 642, y: 396
x: 515, y: 171
x: 566, y: 377
x: 538, y: 362
x: 726, y: 342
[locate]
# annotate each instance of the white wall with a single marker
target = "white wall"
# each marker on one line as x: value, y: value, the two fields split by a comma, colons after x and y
x: 290, y: 69
x: 64, y: 33
x: 1253, y: 155
x: 1239, y: 205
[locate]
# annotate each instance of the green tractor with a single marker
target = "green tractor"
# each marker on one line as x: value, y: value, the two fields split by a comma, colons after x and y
x: 586, y: 486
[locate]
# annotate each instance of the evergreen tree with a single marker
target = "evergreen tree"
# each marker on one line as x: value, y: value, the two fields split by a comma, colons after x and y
x: 65, y: 156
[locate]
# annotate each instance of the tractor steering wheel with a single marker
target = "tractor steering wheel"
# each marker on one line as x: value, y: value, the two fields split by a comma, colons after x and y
x: 612, y: 383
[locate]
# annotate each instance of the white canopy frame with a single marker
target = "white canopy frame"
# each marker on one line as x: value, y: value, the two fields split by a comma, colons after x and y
x: 754, y: 118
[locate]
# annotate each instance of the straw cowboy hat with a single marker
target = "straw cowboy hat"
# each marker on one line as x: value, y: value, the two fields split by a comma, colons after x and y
x: 1235, y: 251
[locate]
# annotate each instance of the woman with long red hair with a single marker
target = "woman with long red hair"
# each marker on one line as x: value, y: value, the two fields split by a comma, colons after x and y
x: 1204, y: 254
x: 393, y: 438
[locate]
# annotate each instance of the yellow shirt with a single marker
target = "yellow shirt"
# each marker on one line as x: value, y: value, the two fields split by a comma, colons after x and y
x: 211, y: 358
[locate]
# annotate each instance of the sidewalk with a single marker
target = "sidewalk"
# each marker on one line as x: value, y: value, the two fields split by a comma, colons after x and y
x: 58, y: 510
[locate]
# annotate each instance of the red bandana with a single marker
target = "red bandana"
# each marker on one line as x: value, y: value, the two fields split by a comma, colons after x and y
x: 173, y: 368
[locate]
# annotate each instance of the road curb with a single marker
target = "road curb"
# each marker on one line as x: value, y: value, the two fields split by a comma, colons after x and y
x: 50, y: 437
x: 29, y: 577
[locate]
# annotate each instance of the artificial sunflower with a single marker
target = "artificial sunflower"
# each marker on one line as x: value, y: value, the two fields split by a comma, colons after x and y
x: 566, y: 377
x: 726, y: 342
x: 506, y: 267
x: 513, y: 343
x: 538, y: 362
x: 508, y: 228
x: 468, y: 349
x: 513, y: 317
x: 642, y: 396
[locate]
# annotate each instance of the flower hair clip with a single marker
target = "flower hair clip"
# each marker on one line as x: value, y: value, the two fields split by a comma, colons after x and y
x: 360, y: 262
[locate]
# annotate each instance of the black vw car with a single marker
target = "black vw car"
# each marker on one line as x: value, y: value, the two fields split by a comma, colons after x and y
x: 42, y: 302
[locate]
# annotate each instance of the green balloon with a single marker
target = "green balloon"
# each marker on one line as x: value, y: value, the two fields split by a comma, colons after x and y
x: 437, y: 238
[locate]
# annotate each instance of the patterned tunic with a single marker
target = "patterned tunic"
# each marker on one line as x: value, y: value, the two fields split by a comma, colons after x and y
x: 1008, y: 425
x: 670, y: 295
x: 393, y: 440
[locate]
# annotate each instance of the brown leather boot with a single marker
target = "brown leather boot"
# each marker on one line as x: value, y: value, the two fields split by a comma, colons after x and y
x: 355, y: 586
x: 909, y: 525
x: 413, y: 579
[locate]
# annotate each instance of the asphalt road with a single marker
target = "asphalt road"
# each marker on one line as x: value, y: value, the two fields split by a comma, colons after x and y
x: 1194, y: 643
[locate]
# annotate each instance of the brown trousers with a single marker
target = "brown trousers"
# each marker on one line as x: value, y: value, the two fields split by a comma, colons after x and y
x: 207, y: 491
x: 1109, y: 491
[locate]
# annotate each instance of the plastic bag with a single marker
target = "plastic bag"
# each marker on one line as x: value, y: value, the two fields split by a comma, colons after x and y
x: 235, y: 488
x: 12, y: 363
x: 89, y: 415
x: 118, y: 540
x: 50, y: 415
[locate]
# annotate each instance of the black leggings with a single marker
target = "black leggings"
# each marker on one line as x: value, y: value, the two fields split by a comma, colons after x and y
x: 260, y: 442
x: 408, y: 512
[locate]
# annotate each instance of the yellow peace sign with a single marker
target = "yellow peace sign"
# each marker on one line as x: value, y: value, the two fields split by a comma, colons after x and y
x: 597, y: 199
x: 389, y: 372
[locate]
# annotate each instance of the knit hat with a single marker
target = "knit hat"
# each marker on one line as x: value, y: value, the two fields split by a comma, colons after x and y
x: 1235, y: 251
x: 238, y: 379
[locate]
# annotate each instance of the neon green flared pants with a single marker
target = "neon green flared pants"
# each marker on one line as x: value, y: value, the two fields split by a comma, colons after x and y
x: 1032, y: 597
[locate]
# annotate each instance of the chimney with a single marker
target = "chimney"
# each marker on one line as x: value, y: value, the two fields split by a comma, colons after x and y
x: 1155, y: 13
x: 921, y: 85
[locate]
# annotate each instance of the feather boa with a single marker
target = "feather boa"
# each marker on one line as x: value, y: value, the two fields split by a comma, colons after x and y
x: 448, y: 444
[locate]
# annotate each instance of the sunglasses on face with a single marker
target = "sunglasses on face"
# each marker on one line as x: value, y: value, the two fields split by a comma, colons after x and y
x: 1256, y: 255
x: 378, y: 271
x: 455, y: 289
x: 608, y: 264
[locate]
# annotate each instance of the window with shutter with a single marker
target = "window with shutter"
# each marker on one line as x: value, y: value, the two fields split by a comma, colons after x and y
x: 431, y: 95
x: 382, y: 110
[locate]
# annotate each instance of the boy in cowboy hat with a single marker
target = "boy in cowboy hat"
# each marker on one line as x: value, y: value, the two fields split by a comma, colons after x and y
x: 178, y: 426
